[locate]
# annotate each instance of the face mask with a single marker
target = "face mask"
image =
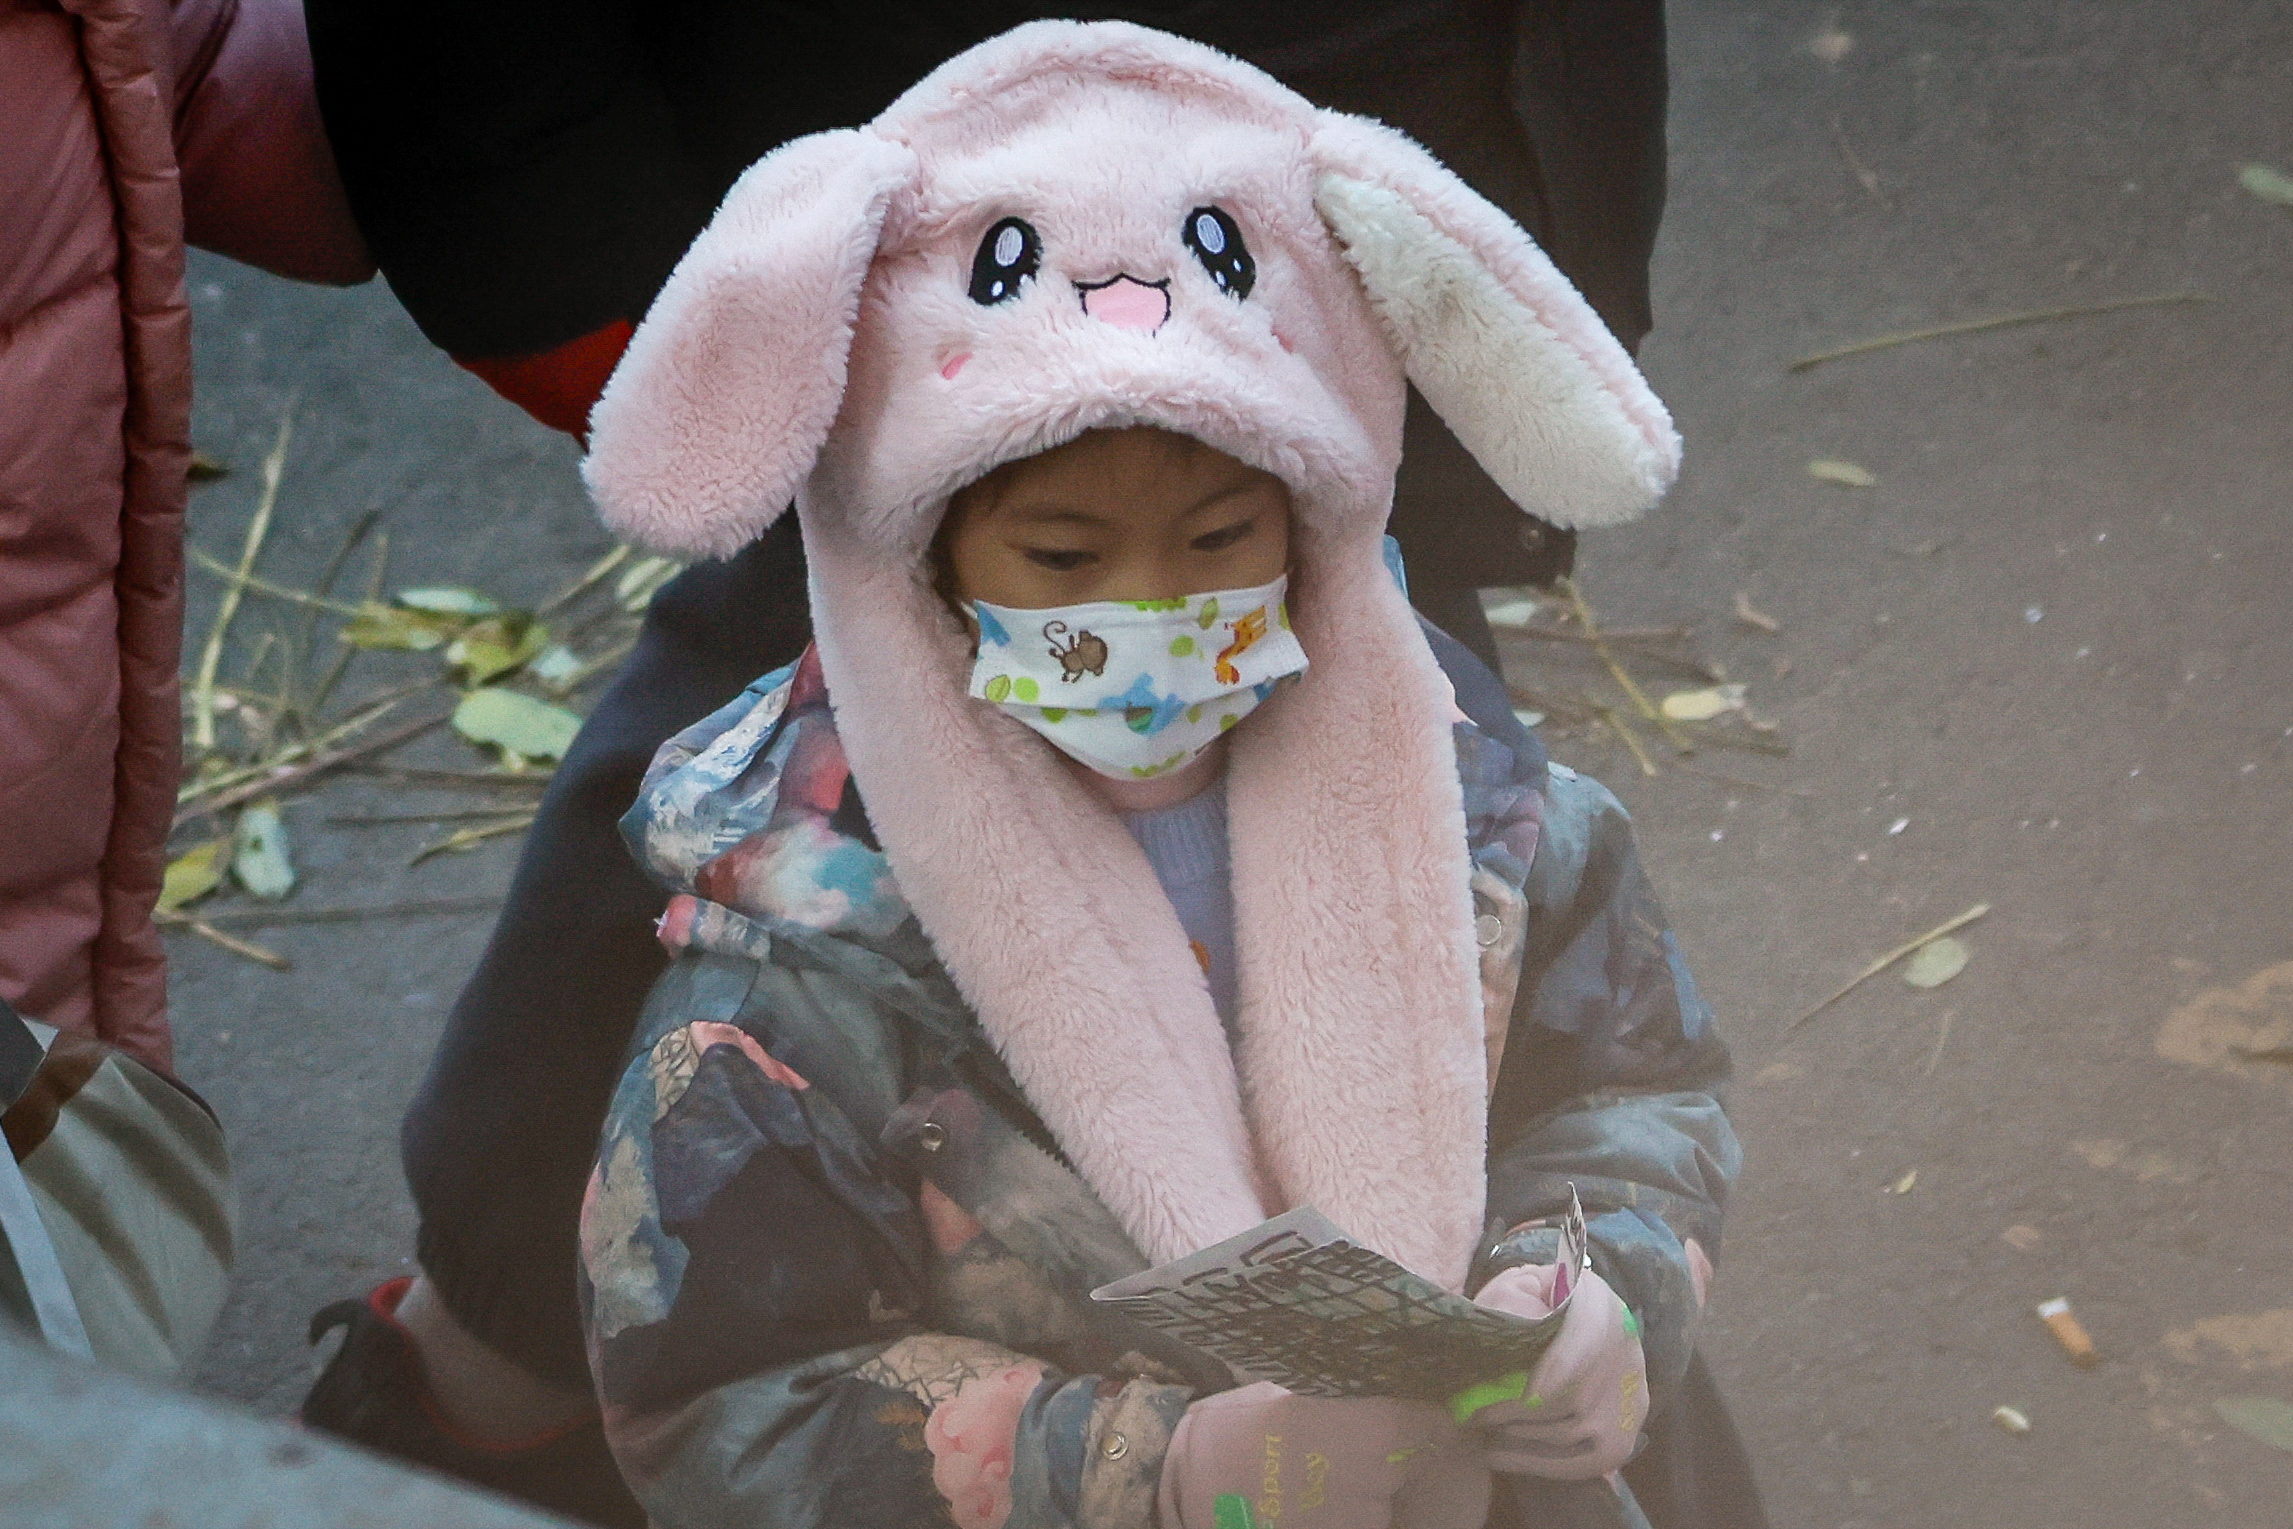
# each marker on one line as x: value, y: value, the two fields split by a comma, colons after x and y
x: 1137, y: 688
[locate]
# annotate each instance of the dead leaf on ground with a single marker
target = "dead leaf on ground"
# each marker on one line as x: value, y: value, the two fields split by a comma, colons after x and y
x: 1703, y: 705
x: 2246, y: 1029
x: 400, y: 630
x: 1845, y: 474
x: 1936, y: 963
x: 206, y: 469
x: 2267, y: 1418
x: 1752, y: 616
x: 558, y: 667
x: 1905, y: 1184
x: 261, y: 858
x: 2256, y: 1340
x: 194, y: 873
x: 449, y: 600
x: 515, y: 723
x: 2271, y: 185
x: 496, y: 645
x: 1510, y: 609
x: 642, y: 580
x: 2023, y: 1239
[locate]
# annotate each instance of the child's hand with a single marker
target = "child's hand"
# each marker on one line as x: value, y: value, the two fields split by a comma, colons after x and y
x: 1588, y: 1395
x: 1320, y: 1464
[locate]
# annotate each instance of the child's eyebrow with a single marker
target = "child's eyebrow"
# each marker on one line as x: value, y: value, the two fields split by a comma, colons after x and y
x: 1053, y: 513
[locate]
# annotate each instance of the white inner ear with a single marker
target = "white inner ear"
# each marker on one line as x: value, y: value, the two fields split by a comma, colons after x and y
x: 1534, y: 415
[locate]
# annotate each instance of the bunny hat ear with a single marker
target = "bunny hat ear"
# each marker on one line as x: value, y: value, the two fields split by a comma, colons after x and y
x: 718, y: 410
x: 1510, y: 356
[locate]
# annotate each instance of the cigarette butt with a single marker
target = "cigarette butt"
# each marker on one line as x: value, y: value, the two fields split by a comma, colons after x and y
x: 2068, y: 1331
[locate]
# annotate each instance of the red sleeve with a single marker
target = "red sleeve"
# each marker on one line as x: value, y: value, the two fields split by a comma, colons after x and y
x: 557, y: 386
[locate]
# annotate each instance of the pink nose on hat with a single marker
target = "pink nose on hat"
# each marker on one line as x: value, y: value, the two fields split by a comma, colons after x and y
x: 1128, y: 303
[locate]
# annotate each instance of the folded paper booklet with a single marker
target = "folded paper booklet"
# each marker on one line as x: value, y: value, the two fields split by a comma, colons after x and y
x: 1297, y: 1301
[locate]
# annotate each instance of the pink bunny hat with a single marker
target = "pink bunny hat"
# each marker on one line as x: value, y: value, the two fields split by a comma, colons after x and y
x: 1076, y: 226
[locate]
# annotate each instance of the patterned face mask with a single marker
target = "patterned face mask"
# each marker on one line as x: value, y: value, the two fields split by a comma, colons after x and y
x: 1137, y: 688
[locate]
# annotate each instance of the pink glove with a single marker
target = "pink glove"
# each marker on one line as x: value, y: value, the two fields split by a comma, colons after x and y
x: 1278, y: 1459
x: 1588, y: 1394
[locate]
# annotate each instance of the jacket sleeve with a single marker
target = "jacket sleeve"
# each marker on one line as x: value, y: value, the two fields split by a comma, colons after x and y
x: 259, y: 179
x: 757, y: 1295
x: 1610, y: 1082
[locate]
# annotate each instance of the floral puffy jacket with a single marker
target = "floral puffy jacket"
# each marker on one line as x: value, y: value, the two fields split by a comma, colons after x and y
x: 836, y: 1271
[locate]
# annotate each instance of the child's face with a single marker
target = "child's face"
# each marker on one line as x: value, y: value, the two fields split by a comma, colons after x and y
x: 1136, y: 514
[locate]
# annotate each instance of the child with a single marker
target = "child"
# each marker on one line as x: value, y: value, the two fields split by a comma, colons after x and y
x: 1118, y: 870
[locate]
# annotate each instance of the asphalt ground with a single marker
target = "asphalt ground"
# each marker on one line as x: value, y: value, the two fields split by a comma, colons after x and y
x: 2041, y: 663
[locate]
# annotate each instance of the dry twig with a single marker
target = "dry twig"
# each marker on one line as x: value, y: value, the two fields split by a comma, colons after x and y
x: 214, y: 936
x: 203, y: 687
x: 291, y: 775
x: 1908, y: 948
x: 2008, y: 321
x: 462, y: 839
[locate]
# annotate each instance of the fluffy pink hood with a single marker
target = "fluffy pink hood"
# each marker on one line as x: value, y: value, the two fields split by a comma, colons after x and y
x: 820, y: 343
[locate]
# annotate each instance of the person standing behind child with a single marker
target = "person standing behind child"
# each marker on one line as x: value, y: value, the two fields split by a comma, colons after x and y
x: 1117, y: 868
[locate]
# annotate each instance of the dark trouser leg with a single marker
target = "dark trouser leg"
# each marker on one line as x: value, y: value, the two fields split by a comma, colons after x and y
x: 498, y: 1143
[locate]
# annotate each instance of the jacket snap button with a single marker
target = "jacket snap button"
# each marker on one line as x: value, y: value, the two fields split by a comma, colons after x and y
x: 933, y: 1136
x: 1487, y: 928
x: 1114, y: 1446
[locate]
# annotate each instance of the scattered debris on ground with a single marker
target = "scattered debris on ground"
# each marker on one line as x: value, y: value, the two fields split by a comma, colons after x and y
x: 262, y: 721
x: 1908, y: 948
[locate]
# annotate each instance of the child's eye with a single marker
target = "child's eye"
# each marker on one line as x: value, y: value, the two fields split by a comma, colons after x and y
x: 1059, y: 560
x: 1224, y: 537
x: 1216, y: 240
x: 1009, y: 254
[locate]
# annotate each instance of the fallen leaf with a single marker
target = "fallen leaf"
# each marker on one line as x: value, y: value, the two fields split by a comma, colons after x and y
x: 2268, y: 184
x: 260, y: 856
x: 516, y: 723
x: 2023, y: 1239
x: 2267, y: 1418
x: 1702, y: 705
x: 1904, y: 1185
x: 1752, y: 616
x: 2012, y: 1419
x: 406, y: 631
x: 1936, y: 963
x: 194, y: 873
x: 1845, y: 474
x: 557, y: 666
x: 496, y: 645
x: 1511, y: 609
x: 448, y: 600
x: 206, y: 469
x: 642, y: 580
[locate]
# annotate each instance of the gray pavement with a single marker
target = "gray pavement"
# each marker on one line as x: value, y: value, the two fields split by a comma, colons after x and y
x: 2051, y: 642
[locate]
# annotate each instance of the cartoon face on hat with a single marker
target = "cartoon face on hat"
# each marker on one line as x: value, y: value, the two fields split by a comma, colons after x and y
x: 1077, y: 226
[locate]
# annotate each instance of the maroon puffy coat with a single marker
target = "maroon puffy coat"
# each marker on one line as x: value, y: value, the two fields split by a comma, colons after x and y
x: 125, y: 126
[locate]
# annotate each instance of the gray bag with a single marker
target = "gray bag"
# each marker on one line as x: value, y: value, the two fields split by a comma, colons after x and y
x: 116, y: 1212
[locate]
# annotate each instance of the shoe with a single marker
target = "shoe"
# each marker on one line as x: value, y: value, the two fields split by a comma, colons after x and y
x: 374, y: 1392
